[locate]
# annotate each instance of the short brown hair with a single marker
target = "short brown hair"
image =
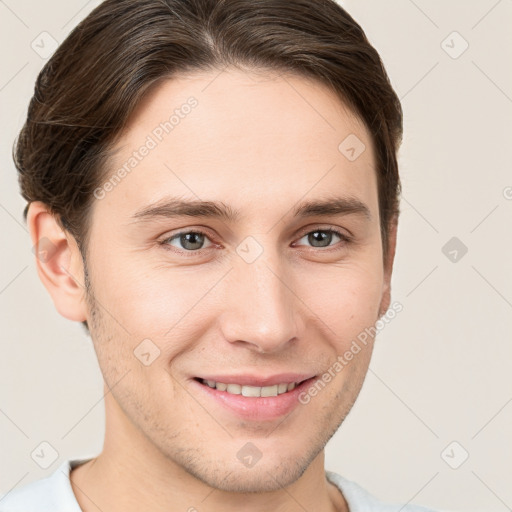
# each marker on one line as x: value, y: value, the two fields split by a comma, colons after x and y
x: 87, y: 90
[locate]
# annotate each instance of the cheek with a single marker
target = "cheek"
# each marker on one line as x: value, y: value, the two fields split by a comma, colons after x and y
x: 346, y: 299
x: 164, y: 304
x: 142, y: 294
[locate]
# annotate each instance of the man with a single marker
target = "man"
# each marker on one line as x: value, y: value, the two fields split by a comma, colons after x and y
x: 213, y: 191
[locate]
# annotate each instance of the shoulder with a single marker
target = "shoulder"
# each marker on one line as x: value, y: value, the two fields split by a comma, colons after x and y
x: 360, y: 500
x: 50, y: 494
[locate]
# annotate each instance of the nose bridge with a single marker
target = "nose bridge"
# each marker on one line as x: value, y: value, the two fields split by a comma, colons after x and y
x: 260, y: 308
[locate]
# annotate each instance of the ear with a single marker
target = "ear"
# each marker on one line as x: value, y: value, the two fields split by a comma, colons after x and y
x: 58, y: 262
x: 388, y: 266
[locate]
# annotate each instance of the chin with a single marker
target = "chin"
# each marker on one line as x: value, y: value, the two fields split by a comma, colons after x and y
x: 266, y: 474
x: 258, y: 480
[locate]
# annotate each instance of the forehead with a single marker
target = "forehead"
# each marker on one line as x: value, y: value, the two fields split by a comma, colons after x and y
x: 246, y: 136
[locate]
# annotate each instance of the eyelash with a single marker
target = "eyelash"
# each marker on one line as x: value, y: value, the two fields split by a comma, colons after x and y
x: 345, y: 239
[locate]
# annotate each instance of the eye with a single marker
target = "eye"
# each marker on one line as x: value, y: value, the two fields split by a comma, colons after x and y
x: 323, y: 237
x: 193, y: 241
x: 189, y: 241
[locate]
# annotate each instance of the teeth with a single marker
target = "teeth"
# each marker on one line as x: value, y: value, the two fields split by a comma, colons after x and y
x: 269, y: 390
x: 282, y: 388
x: 252, y: 391
x: 235, y: 389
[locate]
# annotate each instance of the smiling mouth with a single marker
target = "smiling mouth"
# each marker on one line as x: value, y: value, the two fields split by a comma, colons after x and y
x: 251, y: 391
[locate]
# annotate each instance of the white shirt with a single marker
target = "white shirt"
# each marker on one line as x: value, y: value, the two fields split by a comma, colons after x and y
x: 55, y: 494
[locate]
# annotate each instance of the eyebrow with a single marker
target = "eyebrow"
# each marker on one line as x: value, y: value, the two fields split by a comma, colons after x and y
x: 170, y: 207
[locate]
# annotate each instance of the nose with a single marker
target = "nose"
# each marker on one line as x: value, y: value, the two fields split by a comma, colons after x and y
x: 260, y: 309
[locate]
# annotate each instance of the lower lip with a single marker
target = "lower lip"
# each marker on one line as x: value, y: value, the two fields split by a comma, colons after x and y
x: 256, y: 408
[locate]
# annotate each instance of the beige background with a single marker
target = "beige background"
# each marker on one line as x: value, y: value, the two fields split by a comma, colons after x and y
x: 441, y: 369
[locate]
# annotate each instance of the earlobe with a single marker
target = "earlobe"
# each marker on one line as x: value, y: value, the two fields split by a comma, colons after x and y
x: 58, y: 262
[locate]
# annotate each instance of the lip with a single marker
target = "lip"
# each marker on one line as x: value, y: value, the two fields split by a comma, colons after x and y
x: 254, y: 408
x: 247, y: 379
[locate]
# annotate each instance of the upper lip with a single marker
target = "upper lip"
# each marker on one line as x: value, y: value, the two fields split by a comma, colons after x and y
x: 259, y: 381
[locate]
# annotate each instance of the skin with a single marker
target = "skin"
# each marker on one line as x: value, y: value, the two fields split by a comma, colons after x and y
x: 260, y: 143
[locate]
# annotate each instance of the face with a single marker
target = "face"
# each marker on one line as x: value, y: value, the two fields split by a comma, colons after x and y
x: 256, y: 292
